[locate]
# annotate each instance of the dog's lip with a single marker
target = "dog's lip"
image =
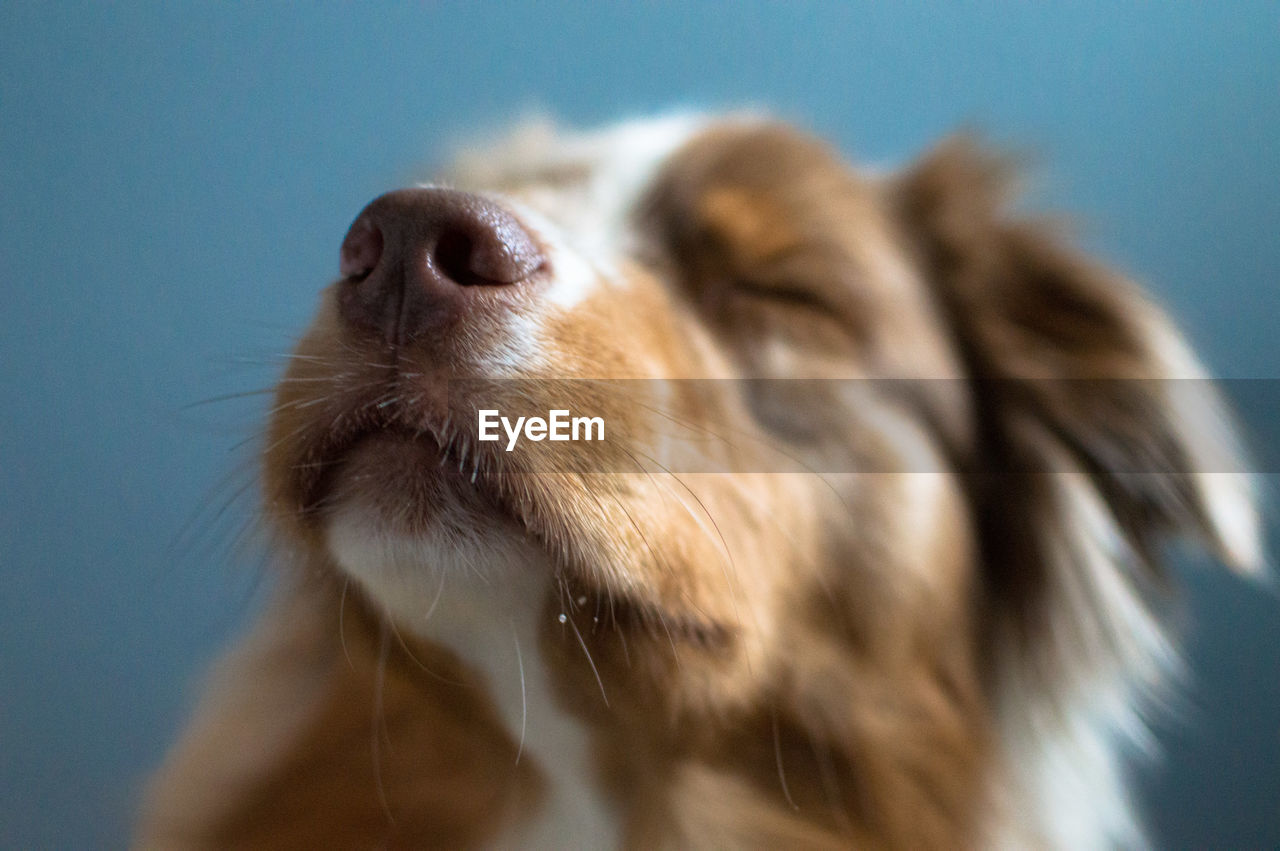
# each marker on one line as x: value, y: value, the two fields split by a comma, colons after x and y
x: 449, y: 456
x: 325, y: 458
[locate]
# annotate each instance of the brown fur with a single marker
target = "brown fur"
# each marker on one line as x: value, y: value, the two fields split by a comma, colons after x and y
x: 788, y: 659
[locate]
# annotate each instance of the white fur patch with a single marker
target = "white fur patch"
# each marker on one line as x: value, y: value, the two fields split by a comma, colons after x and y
x: 577, y: 190
x: 1226, y: 488
x: 482, y: 595
x: 1108, y: 654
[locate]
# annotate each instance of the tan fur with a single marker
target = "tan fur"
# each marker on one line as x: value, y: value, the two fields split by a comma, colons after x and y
x: 870, y: 655
x: 392, y: 745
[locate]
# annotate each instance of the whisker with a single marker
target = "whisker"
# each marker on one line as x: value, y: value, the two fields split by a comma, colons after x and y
x: 830, y: 784
x: 199, y: 525
x: 675, y: 654
x: 657, y: 559
x: 524, y: 700
x: 732, y: 581
x: 413, y: 657
x: 590, y: 661
x: 227, y: 397
x: 777, y: 753
x: 435, y: 600
x: 379, y: 719
x: 342, y: 627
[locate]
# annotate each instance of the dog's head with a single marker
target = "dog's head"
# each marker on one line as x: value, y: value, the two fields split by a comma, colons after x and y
x: 883, y: 473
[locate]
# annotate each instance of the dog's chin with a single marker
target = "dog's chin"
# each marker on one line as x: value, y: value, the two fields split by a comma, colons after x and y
x: 400, y: 517
x: 419, y: 531
x: 404, y: 483
x: 411, y: 547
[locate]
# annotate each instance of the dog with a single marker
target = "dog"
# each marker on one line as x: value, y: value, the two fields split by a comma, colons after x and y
x: 868, y: 551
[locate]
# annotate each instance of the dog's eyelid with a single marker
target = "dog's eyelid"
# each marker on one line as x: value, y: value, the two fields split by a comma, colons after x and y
x: 787, y: 293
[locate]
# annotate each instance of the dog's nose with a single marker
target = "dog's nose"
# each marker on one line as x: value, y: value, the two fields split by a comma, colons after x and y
x: 414, y: 257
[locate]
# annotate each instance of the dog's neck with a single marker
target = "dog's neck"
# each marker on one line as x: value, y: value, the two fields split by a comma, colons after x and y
x: 495, y: 627
x: 489, y: 609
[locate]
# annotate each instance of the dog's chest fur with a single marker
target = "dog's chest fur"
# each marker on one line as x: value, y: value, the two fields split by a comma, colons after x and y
x: 486, y: 601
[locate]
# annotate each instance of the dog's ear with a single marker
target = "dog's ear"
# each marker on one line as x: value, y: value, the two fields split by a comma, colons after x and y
x: 1097, y: 432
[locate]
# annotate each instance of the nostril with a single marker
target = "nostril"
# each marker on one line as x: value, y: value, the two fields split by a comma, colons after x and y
x: 454, y: 256
x: 505, y: 253
x: 490, y: 250
x: 361, y: 250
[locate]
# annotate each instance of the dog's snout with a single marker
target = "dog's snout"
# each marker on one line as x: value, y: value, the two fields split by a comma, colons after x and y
x: 412, y: 255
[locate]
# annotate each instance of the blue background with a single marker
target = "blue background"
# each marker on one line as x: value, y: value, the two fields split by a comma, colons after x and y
x: 175, y: 181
